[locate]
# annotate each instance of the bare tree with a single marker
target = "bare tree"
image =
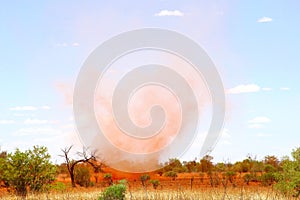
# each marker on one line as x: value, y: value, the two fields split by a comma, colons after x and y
x: 85, y: 157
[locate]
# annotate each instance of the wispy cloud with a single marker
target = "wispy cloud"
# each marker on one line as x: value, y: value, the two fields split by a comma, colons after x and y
x: 37, y: 131
x: 45, y: 107
x: 285, y: 88
x: 75, y: 44
x: 164, y: 13
x: 35, y: 121
x: 258, y: 122
x: 264, y: 20
x: 24, y: 108
x: 29, y: 108
x: 244, y: 89
x: 266, y: 89
x: 7, y: 121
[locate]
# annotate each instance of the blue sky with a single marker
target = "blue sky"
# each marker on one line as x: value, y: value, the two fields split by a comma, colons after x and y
x: 254, y: 44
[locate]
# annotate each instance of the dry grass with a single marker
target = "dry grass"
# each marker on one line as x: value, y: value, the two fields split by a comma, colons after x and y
x: 256, y: 193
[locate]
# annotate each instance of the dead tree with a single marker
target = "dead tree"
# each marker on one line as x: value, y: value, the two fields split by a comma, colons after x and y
x: 85, y: 157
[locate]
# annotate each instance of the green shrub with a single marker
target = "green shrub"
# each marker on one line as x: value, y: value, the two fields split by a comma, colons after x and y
x: 247, y: 178
x: 83, y: 176
x: 30, y: 169
x: 108, y: 178
x: 230, y: 175
x: 59, y: 186
x: 267, y: 179
x: 144, y: 178
x: 171, y: 174
x: 155, y: 183
x: 114, y: 192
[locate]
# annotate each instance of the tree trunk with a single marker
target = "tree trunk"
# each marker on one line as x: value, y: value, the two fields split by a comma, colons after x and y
x: 73, y: 180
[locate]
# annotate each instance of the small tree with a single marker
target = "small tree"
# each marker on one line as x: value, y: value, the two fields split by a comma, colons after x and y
x: 85, y: 157
x: 171, y: 174
x: 155, y: 183
x: 288, y: 181
x: 108, y: 178
x: 144, y: 178
x: 29, y: 169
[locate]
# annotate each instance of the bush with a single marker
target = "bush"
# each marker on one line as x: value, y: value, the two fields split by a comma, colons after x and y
x: 288, y: 181
x: 83, y: 176
x: 114, y: 192
x: 59, y: 186
x: 31, y: 169
x: 108, y: 178
x: 171, y: 174
x: 144, y: 178
x: 230, y: 175
x: 267, y: 179
x: 155, y: 183
x: 247, y: 178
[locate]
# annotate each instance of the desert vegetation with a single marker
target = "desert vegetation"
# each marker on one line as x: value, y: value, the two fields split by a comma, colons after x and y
x: 31, y: 175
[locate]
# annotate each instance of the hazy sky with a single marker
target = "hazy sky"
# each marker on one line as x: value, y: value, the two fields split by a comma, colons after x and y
x: 254, y: 44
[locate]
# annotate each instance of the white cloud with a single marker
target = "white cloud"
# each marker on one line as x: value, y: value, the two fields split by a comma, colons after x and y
x: 24, y: 108
x: 7, y: 121
x: 259, y: 120
x: 266, y: 89
x: 29, y: 108
x: 163, y: 13
x: 45, y: 107
x: 63, y: 44
x: 264, y: 19
x: 244, y: 89
x: 37, y: 131
x: 75, y: 44
x: 35, y: 121
x: 285, y: 88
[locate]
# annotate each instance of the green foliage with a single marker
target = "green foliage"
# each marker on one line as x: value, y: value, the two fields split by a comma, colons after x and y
x: 29, y: 169
x: 191, y: 166
x: 267, y: 178
x: 288, y: 180
x: 269, y: 168
x: 206, y: 164
x: 174, y: 165
x: 247, y: 178
x: 155, y: 183
x: 171, y: 174
x: 144, y: 178
x: 83, y: 176
x: 108, y: 178
x: 59, y: 186
x: 230, y: 175
x: 114, y: 192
